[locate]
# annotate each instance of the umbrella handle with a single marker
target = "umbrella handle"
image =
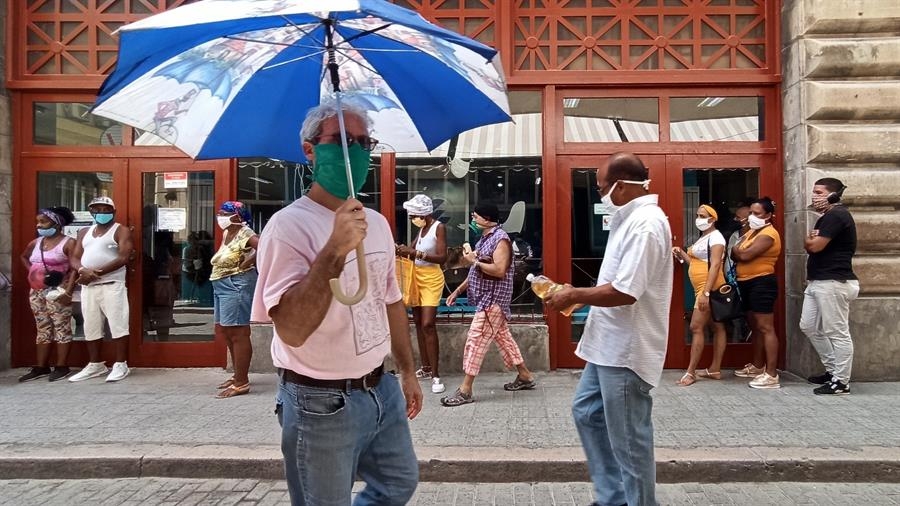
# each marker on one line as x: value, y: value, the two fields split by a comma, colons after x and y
x: 349, y: 300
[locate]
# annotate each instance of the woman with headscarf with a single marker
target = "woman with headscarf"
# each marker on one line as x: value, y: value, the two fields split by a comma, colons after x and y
x: 47, y: 260
x: 425, y: 285
x: 234, y: 281
x: 755, y: 254
x: 705, y: 259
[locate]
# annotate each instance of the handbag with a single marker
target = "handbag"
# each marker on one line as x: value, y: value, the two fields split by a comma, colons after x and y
x: 724, y: 301
x: 51, y: 278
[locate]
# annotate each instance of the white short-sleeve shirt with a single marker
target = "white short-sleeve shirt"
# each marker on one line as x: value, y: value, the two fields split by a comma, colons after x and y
x: 700, y: 248
x: 637, y: 262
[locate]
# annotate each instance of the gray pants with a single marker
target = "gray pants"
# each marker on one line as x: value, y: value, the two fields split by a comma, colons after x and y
x: 825, y: 321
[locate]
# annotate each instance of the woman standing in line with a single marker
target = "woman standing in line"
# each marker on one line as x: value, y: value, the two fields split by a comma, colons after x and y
x: 428, y: 251
x: 705, y: 259
x: 234, y: 280
x: 756, y: 253
x: 47, y: 260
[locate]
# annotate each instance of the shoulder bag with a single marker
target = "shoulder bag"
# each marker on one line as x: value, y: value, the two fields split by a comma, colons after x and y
x: 724, y: 301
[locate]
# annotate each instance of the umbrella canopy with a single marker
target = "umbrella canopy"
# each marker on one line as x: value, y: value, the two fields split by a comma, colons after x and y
x: 235, y: 78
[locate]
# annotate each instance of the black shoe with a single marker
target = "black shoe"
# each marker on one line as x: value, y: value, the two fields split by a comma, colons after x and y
x: 836, y: 387
x: 59, y: 373
x: 35, y: 373
x: 820, y: 379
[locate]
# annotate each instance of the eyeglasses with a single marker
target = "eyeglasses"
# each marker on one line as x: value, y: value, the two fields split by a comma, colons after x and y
x: 364, y: 141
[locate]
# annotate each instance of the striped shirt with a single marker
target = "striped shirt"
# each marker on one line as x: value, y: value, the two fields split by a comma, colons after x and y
x: 484, y: 292
x: 638, y: 262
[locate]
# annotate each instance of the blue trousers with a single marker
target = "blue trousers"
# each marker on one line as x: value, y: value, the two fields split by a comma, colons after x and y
x: 612, y: 411
x: 331, y: 436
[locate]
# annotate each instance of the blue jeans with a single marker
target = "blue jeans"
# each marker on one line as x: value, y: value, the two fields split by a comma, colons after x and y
x: 612, y: 413
x: 331, y: 436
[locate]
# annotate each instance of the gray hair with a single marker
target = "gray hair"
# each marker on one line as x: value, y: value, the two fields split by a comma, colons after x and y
x: 328, y: 108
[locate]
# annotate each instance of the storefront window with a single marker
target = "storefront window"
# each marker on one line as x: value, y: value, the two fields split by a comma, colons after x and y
x: 716, y: 119
x: 611, y: 119
x: 70, y: 124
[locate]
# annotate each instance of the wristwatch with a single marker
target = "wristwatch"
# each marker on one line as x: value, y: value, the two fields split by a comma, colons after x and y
x: 706, y: 293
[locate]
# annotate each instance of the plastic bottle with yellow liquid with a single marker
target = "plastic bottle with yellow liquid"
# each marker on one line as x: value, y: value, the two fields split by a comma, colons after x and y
x: 542, y: 286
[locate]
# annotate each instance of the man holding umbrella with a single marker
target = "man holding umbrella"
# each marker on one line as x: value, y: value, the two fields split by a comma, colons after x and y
x: 341, y: 415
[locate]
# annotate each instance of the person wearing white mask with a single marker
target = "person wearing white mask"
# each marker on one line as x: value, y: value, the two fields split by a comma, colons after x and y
x: 234, y: 281
x: 756, y: 254
x: 425, y: 284
x: 705, y: 261
x: 625, y: 337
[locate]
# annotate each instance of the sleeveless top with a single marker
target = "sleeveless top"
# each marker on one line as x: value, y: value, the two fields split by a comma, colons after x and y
x: 99, y: 251
x: 427, y: 243
x: 484, y: 292
x: 227, y: 261
x: 54, y: 259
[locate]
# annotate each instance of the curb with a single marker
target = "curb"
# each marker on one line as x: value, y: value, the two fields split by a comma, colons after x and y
x: 460, y: 464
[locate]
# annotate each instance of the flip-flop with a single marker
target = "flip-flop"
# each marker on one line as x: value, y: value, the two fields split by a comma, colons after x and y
x: 457, y: 399
x: 234, y: 391
x: 225, y: 384
x: 687, y: 380
x: 519, y: 384
x: 709, y: 375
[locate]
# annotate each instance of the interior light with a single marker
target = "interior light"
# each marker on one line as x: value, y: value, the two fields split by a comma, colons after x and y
x: 711, y: 101
x: 571, y: 103
x: 260, y: 179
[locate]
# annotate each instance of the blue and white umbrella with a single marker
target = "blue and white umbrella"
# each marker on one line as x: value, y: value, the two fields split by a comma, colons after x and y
x: 234, y: 78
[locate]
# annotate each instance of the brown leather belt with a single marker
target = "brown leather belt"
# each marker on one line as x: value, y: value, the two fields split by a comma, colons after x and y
x: 364, y: 383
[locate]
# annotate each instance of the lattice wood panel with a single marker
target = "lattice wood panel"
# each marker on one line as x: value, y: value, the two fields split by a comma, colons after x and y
x: 474, y: 18
x: 639, y: 34
x: 74, y: 37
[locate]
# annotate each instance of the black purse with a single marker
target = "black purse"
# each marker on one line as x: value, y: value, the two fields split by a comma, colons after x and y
x: 724, y: 301
x: 51, y: 278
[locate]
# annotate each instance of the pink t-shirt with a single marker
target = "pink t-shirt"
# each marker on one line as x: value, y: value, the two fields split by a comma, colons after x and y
x: 351, y: 340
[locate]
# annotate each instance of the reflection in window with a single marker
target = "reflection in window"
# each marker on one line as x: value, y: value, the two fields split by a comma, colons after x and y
x: 74, y: 190
x: 70, y: 124
x: 717, y: 119
x: 611, y: 119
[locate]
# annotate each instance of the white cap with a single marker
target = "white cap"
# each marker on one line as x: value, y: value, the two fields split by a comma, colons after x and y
x: 420, y: 205
x: 102, y: 201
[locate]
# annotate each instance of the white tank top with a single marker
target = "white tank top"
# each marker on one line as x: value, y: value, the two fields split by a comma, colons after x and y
x: 428, y: 243
x: 99, y: 251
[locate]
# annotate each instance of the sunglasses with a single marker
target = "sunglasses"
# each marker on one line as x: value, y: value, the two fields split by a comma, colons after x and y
x: 364, y: 141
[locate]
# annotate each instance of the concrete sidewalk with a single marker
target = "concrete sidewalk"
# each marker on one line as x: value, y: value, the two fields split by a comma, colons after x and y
x: 165, y: 422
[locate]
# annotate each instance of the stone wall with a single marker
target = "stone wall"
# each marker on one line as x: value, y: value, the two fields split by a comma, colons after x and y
x: 5, y: 200
x: 533, y: 341
x: 841, y: 99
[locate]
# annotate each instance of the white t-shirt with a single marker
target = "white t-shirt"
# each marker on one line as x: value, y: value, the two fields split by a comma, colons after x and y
x: 700, y: 249
x: 351, y: 341
x: 637, y: 262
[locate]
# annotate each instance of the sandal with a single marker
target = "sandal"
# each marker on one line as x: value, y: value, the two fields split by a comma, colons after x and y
x: 687, y: 380
x: 457, y: 399
x: 423, y: 374
x: 234, y: 391
x: 710, y: 375
x: 519, y: 384
x: 227, y: 383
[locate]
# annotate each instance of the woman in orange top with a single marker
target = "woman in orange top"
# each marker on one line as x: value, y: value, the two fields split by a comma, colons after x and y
x: 756, y: 253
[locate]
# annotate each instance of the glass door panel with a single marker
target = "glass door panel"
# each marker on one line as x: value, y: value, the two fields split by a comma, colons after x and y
x: 177, y: 245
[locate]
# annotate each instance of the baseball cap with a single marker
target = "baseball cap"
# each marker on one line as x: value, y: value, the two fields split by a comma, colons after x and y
x: 102, y: 201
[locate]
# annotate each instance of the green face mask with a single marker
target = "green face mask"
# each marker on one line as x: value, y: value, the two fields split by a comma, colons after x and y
x: 329, y: 169
x: 475, y: 226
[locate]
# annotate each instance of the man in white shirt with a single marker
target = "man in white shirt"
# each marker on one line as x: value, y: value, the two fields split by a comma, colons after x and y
x: 625, y: 337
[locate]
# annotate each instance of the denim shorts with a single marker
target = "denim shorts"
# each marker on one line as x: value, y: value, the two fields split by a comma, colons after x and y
x: 758, y: 295
x: 233, y: 298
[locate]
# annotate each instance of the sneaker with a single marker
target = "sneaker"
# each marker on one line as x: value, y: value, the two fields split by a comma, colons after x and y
x: 765, y: 381
x: 423, y: 374
x: 835, y: 387
x: 59, y: 373
x: 34, y: 373
x: 749, y: 371
x: 436, y: 386
x: 92, y: 370
x: 820, y: 379
x: 119, y: 371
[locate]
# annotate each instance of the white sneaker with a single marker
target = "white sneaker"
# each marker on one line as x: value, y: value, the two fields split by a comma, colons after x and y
x: 436, y: 386
x: 119, y: 371
x: 765, y: 381
x: 92, y: 370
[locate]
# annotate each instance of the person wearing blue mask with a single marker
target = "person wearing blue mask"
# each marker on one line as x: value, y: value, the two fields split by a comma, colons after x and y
x: 101, y: 255
x: 342, y: 416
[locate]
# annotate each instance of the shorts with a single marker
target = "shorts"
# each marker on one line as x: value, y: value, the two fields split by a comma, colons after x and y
x: 233, y: 299
x: 758, y: 294
x: 107, y: 300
